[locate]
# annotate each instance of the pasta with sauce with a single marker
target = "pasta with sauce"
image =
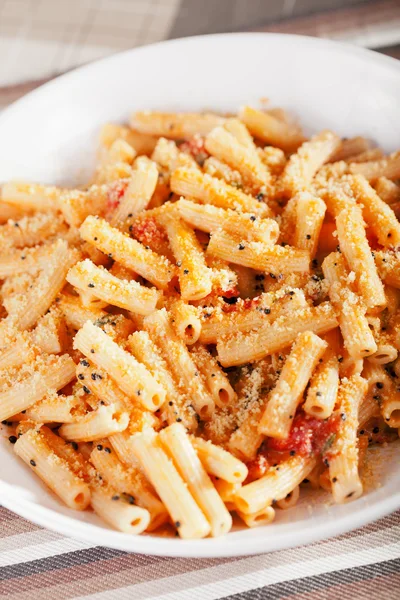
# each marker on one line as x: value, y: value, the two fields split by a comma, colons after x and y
x: 208, y: 325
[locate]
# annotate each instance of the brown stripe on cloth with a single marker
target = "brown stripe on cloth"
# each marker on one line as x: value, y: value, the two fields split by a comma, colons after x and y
x: 332, y: 585
x: 16, y: 526
x: 120, y: 572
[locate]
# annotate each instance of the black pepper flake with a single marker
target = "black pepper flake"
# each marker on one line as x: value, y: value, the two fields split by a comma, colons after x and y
x: 95, y: 239
x: 138, y: 392
x: 74, y: 445
x: 318, y: 394
x: 343, y: 416
x: 212, y: 374
x: 252, y: 218
x: 131, y: 499
x: 379, y: 385
x: 290, y: 416
x: 272, y: 276
x: 108, y: 450
x: 84, y: 362
x: 375, y: 430
x: 315, y: 278
x: 16, y: 224
x: 314, y: 262
x: 241, y: 246
x: 81, y: 376
x: 109, y: 255
x: 334, y: 480
x: 116, y: 497
x: 91, y: 350
x: 308, y: 236
x: 86, y: 389
x: 232, y: 300
x: 131, y: 228
x: 99, y: 447
x: 12, y: 439
x: 23, y: 411
x: 350, y: 495
x: 130, y: 215
x: 32, y: 462
x: 170, y: 403
x: 292, y: 452
x: 259, y: 277
x: 338, y: 249
x: 340, y: 359
x: 186, y: 271
x: 326, y: 462
x: 91, y: 285
x: 260, y: 197
x: 377, y: 397
x: 362, y: 431
x: 389, y: 235
x: 267, y: 311
x: 178, y: 420
x: 177, y: 524
x: 23, y: 257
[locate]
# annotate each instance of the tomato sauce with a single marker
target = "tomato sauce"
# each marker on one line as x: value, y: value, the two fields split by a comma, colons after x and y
x: 149, y: 232
x: 114, y: 195
x: 308, y: 436
x: 195, y: 148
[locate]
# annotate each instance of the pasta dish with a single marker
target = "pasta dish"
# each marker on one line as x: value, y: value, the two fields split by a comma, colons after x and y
x: 208, y: 326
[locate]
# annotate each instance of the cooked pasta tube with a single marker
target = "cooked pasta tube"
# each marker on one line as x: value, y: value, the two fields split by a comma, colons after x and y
x: 210, y: 190
x: 324, y: 384
x: 387, y: 190
x: 128, y: 482
x: 265, y: 516
x: 138, y: 193
x: 33, y: 449
x: 177, y: 444
x: 303, y: 165
x: 225, y: 146
x: 186, y: 321
x: 130, y: 253
x: 266, y: 308
x: 296, y: 373
x: 271, y: 130
x: 130, y: 375
x: 276, y: 484
x: 219, y: 462
x: 388, y: 167
x: 99, y: 423
x: 194, y: 275
x: 209, y: 218
x: 239, y: 349
x: 44, y: 374
x: 56, y: 409
x: 177, y: 406
x: 187, y: 517
x: 343, y: 455
x: 176, y: 126
x: 119, y: 513
x: 216, y: 380
x: 180, y: 362
x: 358, y: 338
x: 105, y: 286
x: 378, y: 215
x: 355, y: 247
x: 277, y: 260
x: 310, y: 213
x: 290, y: 500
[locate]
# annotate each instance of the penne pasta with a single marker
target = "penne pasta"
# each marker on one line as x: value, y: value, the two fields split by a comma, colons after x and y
x: 176, y: 126
x: 283, y: 401
x: 33, y: 449
x: 216, y: 380
x: 130, y: 375
x: 95, y: 425
x: 186, y: 515
x: 112, y: 290
x: 271, y: 130
x: 177, y: 444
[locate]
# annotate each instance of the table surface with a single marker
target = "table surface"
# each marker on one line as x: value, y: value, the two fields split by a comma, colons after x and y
x: 41, y: 39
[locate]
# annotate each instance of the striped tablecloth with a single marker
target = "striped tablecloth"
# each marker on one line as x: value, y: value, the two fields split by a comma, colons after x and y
x: 41, y: 38
x: 34, y: 563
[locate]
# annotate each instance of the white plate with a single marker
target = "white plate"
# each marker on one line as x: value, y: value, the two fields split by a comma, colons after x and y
x: 50, y: 136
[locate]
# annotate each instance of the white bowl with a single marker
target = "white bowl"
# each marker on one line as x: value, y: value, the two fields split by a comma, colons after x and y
x: 50, y: 136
